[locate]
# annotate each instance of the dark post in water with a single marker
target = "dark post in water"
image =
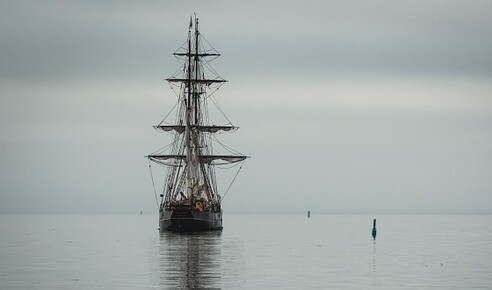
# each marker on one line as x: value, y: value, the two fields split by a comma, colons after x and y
x: 309, y: 214
x: 374, y: 231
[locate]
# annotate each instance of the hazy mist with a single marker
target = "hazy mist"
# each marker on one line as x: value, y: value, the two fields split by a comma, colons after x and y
x: 344, y: 106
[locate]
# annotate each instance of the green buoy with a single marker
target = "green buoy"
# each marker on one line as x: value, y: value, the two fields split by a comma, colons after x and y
x: 374, y: 231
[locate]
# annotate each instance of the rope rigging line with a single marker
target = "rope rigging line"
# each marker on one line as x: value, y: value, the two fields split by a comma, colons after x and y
x: 179, y: 71
x: 173, y: 144
x: 206, y: 64
x: 220, y: 109
x: 153, y: 185
x: 172, y: 109
x: 231, y: 150
x: 211, y: 92
x: 227, y: 166
x: 182, y: 47
x: 176, y: 94
x: 230, y: 185
x: 213, y: 48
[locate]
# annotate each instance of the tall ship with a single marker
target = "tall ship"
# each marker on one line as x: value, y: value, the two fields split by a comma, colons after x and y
x: 190, y: 201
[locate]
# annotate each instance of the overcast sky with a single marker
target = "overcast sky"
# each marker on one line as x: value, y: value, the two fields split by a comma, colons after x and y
x: 344, y: 106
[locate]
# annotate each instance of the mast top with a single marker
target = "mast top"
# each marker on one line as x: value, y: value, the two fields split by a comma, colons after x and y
x: 191, y: 22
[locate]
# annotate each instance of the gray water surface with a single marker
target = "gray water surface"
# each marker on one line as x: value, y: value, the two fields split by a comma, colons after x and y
x: 253, y: 251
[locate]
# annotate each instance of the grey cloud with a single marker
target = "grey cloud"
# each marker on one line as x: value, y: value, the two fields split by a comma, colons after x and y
x: 81, y: 85
x: 43, y: 40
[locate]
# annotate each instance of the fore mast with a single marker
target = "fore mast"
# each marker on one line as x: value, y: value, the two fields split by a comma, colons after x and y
x: 193, y: 91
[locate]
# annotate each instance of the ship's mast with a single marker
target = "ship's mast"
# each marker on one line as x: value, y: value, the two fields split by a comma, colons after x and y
x: 189, y: 161
x: 192, y: 113
x: 196, y: 92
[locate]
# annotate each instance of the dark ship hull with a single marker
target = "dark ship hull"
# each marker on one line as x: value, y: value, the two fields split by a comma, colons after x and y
x: 187, y: 220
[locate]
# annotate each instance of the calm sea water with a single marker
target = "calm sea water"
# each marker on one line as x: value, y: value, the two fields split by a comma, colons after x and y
x: 253, y: 251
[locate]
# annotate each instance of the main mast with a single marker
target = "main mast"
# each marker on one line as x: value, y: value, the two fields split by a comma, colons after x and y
x: 192, y: 114
x: 189, y: 150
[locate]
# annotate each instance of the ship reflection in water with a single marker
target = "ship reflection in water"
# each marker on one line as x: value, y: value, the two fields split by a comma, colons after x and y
x: 190, y: 260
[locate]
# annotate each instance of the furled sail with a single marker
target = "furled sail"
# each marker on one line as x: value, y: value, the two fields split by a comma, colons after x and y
x: 205, y: 158
x: 195, y: 54
x: 208, y: 129
x: 199, y: 81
